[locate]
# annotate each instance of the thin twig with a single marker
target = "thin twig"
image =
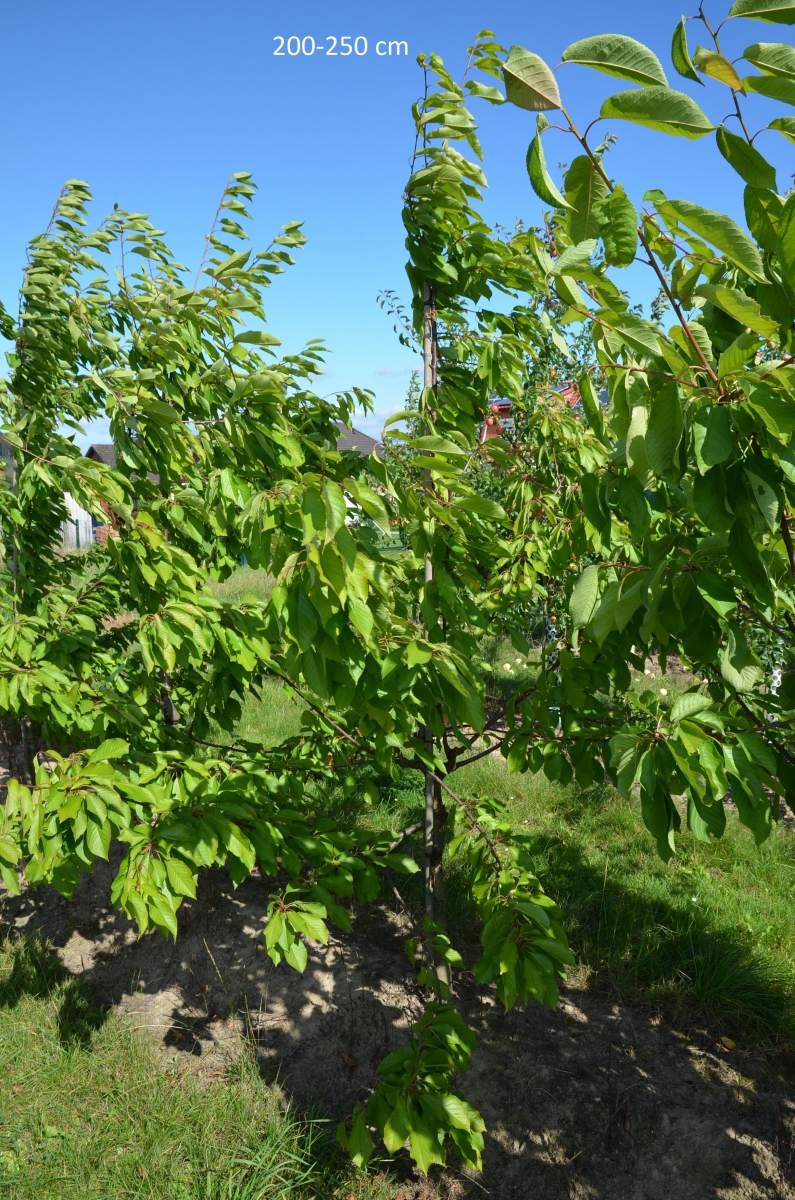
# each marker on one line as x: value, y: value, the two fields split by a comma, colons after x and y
x: 787, y: 536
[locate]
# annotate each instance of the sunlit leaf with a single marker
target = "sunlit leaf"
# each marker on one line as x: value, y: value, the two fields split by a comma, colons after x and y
x: 660, y: 108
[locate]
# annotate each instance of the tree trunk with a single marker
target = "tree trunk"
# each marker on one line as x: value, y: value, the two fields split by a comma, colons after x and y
x: 434, y: 816
x: 167, y: 705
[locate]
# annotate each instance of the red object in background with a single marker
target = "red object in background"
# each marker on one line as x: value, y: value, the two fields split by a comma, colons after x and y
x: 571, y: 395
x: 500, y: 411
x: 500, y: 415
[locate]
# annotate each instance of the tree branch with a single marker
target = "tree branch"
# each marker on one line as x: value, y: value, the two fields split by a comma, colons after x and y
x: 655, y: 266
x: 787, y: 536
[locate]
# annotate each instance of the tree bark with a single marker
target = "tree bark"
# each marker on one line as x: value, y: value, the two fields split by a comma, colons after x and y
x: 434, y: 814
x: 167, y: 705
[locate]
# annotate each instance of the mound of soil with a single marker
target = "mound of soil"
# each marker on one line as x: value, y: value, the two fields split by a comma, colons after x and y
x: 597, y: 1100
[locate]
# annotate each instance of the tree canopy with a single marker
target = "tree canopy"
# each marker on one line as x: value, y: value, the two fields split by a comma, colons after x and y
x: 657, y: 523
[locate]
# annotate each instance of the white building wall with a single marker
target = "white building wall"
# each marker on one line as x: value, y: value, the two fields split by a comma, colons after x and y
x: 77, y: 531
x: 6, y: 464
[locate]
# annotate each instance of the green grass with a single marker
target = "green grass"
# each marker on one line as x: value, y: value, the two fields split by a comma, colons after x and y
x: 508, y: 672
x: 88, y: 1112
x: 706, y: 937
x: 274, y: 714
x: 245, y: 581
x: 272, y: 717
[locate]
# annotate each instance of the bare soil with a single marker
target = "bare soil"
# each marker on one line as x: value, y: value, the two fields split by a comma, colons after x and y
x: 597, y: 1100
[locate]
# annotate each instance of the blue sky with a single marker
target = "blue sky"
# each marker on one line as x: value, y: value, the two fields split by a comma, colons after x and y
x: 156, y: 102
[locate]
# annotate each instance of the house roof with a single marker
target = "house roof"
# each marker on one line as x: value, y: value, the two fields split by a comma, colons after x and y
x: 104, y: 451
x: 354, y: 439
x: 349, y: 439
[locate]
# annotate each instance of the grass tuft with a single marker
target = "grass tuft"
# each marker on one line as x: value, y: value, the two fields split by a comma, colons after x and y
x: 97, y: 1116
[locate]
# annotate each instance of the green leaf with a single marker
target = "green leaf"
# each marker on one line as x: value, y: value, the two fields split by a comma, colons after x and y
x: 181, y: 878
x: 257, y: 337
x: 335, y: 505
x: 358, y: 1142
x: 772, y: 86
x: 762, y: 212
x: 778, y: 413
x: 162, y: 912
x: 657, y: 810
x: 738, y: 665
x: 306, y: 624
x: 585, y: 189
x: 737, y: 354
x: 704, y: 819
x: 438, y: 445
x: 361, y: 616
x: 774, y: 58
x: 743, y: 308
x: 620, y: 234
x: 640, y: 334
x: 617, y: 54
x: 9, y: 851
x: 9, y: 879
x: 401, y: 862
x: 711, y: 63
x: 568, y: 292
x: 700, y: 337
x: 591, y: 406
x: 784, y: 125
x: 712, y: 436
x: 718, y: 229
x: 584, y: 596
x: 780, y: 12
x: 710, y: 500
x: 110, y: 749
x: 233, y: 262
x: 98, y: 838
x: 543, y: 184
x: 659, y: 108
x: 424, y: 1145
x: 396, y: 1127
x: 637, y: 460
x: 664, y: 431
x: 529, y: 83
x: 417, y: 655
x: 746, y: 160
x: 688, y: 704
x: 717, y: 592
x: 240, y: 846
x: 311, y: 926
x: 576, y: 260
x: 786, y: 239
x: 460, y: 1114
x: 482, y: 507
x: 491, y: 94
x: 766, y: 497
x: 680, y: 55
x: 626, y: 753
x: 297, y: 955
x: 274, y: 929
x: 314, y: 510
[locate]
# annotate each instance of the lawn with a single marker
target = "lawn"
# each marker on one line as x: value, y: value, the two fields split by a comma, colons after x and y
x: 707, y: 937
x: 130, y: 1126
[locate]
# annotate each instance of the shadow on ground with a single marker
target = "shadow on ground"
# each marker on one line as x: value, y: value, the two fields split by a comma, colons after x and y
x: 598, y: 1100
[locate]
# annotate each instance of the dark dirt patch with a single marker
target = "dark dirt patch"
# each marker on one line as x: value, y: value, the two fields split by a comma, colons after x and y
x: 598, y: 1100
